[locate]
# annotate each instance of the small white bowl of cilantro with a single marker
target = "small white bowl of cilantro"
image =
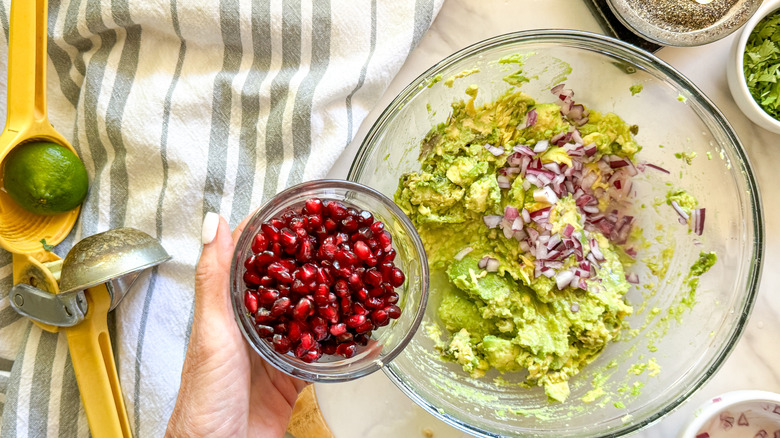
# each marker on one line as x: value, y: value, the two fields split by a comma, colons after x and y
x: 754, y: 72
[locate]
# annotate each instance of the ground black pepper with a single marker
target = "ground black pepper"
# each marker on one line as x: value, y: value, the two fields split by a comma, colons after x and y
x: 681, y: 15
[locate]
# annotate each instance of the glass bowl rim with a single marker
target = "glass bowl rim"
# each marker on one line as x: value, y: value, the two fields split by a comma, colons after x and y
x: 636, y: 56
x: 324, y: 374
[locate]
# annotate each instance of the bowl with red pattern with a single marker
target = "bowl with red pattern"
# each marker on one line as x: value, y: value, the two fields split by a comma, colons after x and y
x: 749, y: 413
x: 329, y: 281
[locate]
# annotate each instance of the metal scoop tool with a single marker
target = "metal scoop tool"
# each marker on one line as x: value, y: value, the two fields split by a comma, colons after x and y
x: 96, y: 275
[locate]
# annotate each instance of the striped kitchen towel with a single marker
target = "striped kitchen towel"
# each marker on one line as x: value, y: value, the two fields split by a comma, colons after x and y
x: 178, y: 108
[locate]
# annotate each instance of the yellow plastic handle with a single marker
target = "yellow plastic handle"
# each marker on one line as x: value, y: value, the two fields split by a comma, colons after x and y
x: 29, y: 269
x: 27, y: 64
x: 93, y: 364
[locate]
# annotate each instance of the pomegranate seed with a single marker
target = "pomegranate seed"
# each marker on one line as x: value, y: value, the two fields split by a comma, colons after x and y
x: 365, y: 218
x: 341, y: 238
x: 373, y: 244
x: 386, y: 268
x: 361, y: 294
x: 307, y: 273
x: 314, y: 222
x: 365, y: 327
x: 361, y: 250
x: 346, y: 305
x: 364, y: 233
x: 343, y: 271
x: 312, y: 206
x: 374, y: 303
x: 294, y: 330
x: 280, y: 306
x: 284, y: 290
x: 359, y: 309
x: 288, y: 238
x: 324, y: 277
x: 373, y: 277
x: 321, y: 295
x: 336, y: 210
x: 330, y: 225
x: 397, y: 277
x: 355, y: 281
x: 330, y: 312
x: 263, y: 316
x: 250, y: 300
x: 376, y: 292
x: 267, y: 296
x: 278, y: 223
x: 338, y: 329
x: 264, y: 331
x: 307, y: 340
x: 303, y: 309
x: 298, y: 223
x: 264, y: 259
x: 380, y: 317
x: 390, y: 298
x: 301, y: 233
x: 346, y: 349
x: 280, y: 328
x: 298, y: 287
x: 251, y: 279
x: 319, y: 327
x: 312, y: 355
x: 349, y: 224
x: 389, y: 256
x: 305, y: 251
x: 328, y: 347
x: 270, y: 231
x: 341, y: 288
x: 372, y: 260
x: 346, y: 337
x: 259, y: 243
x: 249, y: 263
x: 327, y: 251
x: 362, y: 339
x: 356, y: 320
x: 377, y: 227
x: 393, y: 311
x: 276, y: 248
x: 282, y: 344
x: 266, y: 281
x: 385, y: 240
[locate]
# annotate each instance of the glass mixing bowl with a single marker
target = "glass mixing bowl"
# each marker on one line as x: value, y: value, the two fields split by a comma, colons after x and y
x: 673, y: 117
x: 386, y: 342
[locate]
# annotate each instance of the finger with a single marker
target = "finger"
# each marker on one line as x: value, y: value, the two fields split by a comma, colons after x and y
x: 212, y: 275
x: 240, y: 228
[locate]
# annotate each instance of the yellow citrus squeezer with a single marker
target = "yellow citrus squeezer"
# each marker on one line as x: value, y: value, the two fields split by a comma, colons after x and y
x: 76, y: 294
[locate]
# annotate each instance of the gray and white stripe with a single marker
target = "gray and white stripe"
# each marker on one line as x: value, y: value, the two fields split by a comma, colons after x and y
x: 179, y: 108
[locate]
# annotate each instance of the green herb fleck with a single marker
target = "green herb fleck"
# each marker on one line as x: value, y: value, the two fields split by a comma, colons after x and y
x: 762, y: 64
x: 46, y: 246
x: 682, y: 98
x: 620, y: 405
x: 636, y: 89
x: 687, y: 157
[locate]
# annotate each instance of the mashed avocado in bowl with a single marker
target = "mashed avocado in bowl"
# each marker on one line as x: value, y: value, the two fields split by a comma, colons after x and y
x: 576, y: 287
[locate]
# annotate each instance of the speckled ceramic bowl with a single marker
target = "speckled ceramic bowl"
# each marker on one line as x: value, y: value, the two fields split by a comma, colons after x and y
x: 673, y: 117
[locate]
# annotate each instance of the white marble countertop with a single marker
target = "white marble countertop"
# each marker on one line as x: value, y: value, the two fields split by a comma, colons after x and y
x: 383, y: 411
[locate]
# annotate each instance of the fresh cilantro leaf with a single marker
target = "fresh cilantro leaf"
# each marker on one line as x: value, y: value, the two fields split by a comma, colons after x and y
x: 762, y: 64
x: 46, y: 246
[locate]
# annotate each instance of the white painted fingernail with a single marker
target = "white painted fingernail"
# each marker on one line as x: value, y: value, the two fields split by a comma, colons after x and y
x: 210, y: 225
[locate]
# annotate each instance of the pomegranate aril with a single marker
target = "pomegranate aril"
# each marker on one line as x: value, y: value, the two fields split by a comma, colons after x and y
x: 264, y: 331
x: 266, y: 281
x: 365, y: 327
x: 335, y: 210
x: 259, y: 243
x: 346, y: 337
x: 303, y: 309
x: 278, y: 223
x: 276, y: 248
x: 362, y: 250
x: 385, y: 240
x: 282, y: 344
x: 251, y: 279
x: 362, y: 339
x: 264, y: 259
x: 389, y: 256
x: 341, y: 287
x: 359, y: 309
x: 314, y: 222
x: 373, y: 244
x: 305, y: 251
x: 397, y: 277
x: 280, y: 328
x: 288, y: 237
x: 380, y: 317
x: 349, y: 224
x: 374, y: 303
x: 307, y: 340
x: 338, y: 329
x: 341, y: 238
x: 393, y: 311
x: 346, y: 257
x: 328, y: 347
x: 361, y: 294
x: 298, y: 223
x: 301, y: 233
x: 280, y: 306
x: 270, y: 231
x: 321, y: 295
x: 323, y: 276
x: 330, y: 312
x: 372, y: 260
x: 364, y: 233
x: 307, y: 273
x: 294, y: 330
x: 365, y: 218
x: 386, y: 269
x: 377, y: 227
x: 356, y: 320
x: 312, y: 355
x: 345, y: 305
x: 327, y: 251
x: 319, y: 327
x: 373, y: 277
x: 298, y: 287
x: 390, y: 298
x: 284, y: 290
x: 346, y: 349
x: 312, y: 206
x: 249, y: 263
x: 250, y: 300
x: 263, y: 316
x: 355, y: 281
x: 330, y: 225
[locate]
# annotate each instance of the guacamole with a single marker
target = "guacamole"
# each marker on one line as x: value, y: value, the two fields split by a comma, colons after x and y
x: 518, y: 204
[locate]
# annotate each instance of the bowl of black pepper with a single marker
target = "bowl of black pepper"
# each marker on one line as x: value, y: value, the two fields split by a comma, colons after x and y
x: 752, y: 71
x: 683, y: 23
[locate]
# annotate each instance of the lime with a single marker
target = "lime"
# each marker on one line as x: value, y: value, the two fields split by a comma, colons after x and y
x: 45, y: 178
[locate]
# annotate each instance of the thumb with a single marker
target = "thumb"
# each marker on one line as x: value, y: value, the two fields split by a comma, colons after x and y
x: 212, y: 275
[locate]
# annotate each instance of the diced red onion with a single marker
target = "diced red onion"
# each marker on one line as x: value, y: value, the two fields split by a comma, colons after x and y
x: 492, y: 265
x: 483, y: 262
x: 517, y: 224
x: 462, y: 253
x: 492, y: 221
x: 567, y: 230
x: 575, y: 308
x: 679, y: 210
x: 541, y: 146
x: 526, y: 216
x: 503, y: 181
x: 531, y: 119
x: 523, y: 149
x: 563, y: 278
x: 495, y: 150
x: 557, y: 89
x: 697, y: 220
x: 632, y: 278
x: 591, y: 149
x: 653, y: 166
x: 511, y: 213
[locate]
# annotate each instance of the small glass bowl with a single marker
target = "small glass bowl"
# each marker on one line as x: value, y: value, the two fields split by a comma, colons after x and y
x: 386, y: 342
